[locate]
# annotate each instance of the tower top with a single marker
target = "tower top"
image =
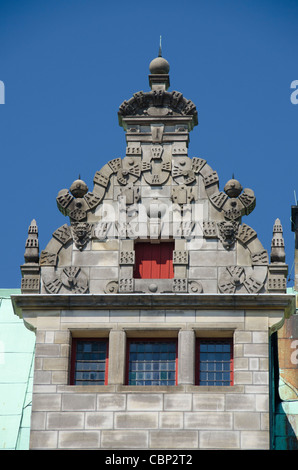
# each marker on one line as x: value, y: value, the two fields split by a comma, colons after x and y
x: 159, y: 65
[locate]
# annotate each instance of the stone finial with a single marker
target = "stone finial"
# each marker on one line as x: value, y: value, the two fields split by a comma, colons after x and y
x: 78, y: 188
x: 30, y: 283
x: 278, y: 254
x: 159, y: 72
x: 233, y: 188
x: 31, y: 254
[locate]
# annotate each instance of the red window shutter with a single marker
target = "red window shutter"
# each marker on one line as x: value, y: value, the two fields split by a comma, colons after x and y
x: 154, y: 261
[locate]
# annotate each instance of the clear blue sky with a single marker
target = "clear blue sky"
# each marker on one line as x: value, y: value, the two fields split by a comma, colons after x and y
x: 68, y: 65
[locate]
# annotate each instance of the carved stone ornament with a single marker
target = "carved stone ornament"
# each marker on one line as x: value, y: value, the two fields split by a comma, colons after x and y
x: 142, y: 101
x: 211, y: 178
x: 183, y: 194
x: 246, y: 233
x: 210, y: 229
x: 234, y: 278
x: 260, y: 258
x: 77, y: 201
x: 30, y: 284
x: 182, y: 171
x: 129, y: 171
x: 127, y: 257
x: 81, y: 233
x: 195, y: 287
x: 277, y: 283
x: 71, y: 279
x: 227, y: 231
x: 179, y: 285
x: 101, y: 230
x: 198, y: 164
x: 111, y: 287
x: 183, y: 229
x: 130, y: 194
x: 63, y: 234
x: 155, y: 168
x: 180, y: 257
x: 125, y: 285
x: 47, y: 258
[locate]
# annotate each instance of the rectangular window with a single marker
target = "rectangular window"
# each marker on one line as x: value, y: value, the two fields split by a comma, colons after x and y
x: 154, y: 261
x: 152, y: 362
x: 89, y: 363
x: 214, y: 365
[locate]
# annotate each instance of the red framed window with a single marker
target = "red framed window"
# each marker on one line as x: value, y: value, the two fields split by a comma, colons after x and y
x: 152, y: 362
x: 154, y: 261
x: 89, y: 361
x: 214, y: 364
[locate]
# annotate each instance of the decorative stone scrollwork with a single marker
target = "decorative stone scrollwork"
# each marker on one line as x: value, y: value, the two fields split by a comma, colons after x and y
x: 195, y: 287
x: 111, y: 287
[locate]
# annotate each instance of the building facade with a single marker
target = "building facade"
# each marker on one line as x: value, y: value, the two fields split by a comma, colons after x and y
x: 154, y: 306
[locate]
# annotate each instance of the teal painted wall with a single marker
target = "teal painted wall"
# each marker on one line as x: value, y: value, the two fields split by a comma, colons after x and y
x: 17, y: 345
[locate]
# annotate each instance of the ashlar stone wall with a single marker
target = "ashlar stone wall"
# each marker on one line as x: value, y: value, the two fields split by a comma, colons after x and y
x: 126, y: 417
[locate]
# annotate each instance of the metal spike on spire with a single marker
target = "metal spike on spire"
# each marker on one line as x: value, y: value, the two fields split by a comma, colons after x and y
x: 159, y: 52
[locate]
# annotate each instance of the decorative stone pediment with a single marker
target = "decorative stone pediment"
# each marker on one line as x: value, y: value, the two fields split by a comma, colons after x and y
x: 155, y: 193
x: 158, y: 103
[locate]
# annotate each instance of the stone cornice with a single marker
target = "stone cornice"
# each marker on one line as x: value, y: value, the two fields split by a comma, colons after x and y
x: 173, y: 101
x: 37, y: 302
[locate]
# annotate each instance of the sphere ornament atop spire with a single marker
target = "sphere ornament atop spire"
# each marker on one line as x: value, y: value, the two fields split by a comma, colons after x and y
x: 79, y: 188
x: 233, y: 188
x: 159, y: 65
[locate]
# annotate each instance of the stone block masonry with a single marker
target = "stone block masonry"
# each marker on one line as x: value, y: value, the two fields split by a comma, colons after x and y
x: 184, y: 416
x: 165, y: 419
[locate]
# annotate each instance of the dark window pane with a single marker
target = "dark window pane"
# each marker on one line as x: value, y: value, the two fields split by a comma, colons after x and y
x: 215, y: 362
x: 157, y: 356
x: 90, y: 362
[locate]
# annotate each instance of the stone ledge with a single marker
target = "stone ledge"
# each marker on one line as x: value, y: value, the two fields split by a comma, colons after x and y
x: 152, y: 301
x: 175, y: 389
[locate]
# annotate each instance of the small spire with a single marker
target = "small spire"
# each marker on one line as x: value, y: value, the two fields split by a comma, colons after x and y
x: 278, y: 254
x: 159, y: 52
x: 32, y: 246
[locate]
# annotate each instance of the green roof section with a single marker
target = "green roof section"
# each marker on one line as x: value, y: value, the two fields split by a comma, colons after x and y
x: 17, y: 346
